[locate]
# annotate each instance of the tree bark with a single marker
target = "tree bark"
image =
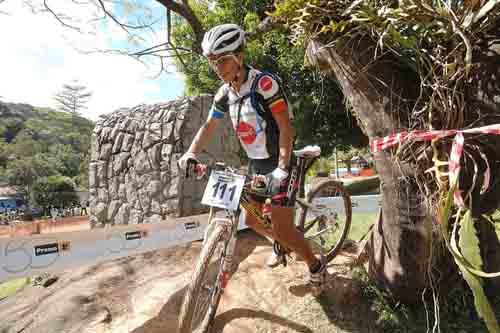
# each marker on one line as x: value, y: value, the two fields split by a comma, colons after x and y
x: 187, y: 13
x: 382, y: 94
x: 183, y: 9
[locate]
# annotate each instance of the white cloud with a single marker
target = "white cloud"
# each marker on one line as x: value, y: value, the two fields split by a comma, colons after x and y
x: 39, y: 56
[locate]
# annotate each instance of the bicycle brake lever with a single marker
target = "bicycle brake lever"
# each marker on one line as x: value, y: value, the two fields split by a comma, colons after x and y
x: 191, y: 166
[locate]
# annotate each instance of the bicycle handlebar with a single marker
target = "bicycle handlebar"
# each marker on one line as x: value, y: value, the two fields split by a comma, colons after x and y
x: 256, y: 186
x: 194, y: 167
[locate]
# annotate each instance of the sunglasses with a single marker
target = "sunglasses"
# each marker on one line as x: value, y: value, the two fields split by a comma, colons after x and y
x: 220, y: 60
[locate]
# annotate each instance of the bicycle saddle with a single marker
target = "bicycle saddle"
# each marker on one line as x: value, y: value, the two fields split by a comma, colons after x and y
x: 308, y: 151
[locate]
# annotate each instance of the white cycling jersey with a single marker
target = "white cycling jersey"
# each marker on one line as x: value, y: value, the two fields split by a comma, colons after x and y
x: 252, y: 129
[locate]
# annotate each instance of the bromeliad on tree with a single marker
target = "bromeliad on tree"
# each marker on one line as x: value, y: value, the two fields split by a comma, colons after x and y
x: 410, y: 68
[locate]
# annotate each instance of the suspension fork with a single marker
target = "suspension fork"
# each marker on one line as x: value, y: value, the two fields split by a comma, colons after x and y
x: 230, y: 246
x: 210, y: 226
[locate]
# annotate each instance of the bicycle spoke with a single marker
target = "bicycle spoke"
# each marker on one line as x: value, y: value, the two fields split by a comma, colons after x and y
x: 326, y: 219
x: 322, y: 231
x: 205, y: 297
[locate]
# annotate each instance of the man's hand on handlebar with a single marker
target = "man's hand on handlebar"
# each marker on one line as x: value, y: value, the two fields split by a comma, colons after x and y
x: 190, y: 164
x: 185, y: 159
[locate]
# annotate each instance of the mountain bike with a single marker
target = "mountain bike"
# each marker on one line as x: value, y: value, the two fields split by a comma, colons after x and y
x: 324, y: 216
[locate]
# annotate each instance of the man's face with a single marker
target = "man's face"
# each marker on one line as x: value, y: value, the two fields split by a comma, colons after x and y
x: 226, y: 66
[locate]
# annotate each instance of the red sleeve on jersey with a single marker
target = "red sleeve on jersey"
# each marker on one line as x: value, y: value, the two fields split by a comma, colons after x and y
x: 278, y: 106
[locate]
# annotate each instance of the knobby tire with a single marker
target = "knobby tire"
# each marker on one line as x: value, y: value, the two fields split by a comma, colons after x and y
x: 345, y: 224
x: 219, y: 234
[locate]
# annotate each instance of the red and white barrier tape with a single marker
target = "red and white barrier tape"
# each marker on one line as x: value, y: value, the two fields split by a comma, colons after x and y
x: 457, y: 148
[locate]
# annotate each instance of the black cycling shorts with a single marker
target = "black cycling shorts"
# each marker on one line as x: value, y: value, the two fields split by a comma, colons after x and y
x: 262, y: 167
x: 265, y: 167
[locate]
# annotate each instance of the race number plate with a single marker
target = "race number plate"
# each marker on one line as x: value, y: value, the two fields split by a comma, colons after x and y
x: 223, y: 191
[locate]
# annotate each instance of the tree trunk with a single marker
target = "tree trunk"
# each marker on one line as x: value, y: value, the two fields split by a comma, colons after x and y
x: 382, y: 94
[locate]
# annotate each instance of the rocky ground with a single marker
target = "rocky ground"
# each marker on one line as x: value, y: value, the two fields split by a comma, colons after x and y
x: 143, y: 293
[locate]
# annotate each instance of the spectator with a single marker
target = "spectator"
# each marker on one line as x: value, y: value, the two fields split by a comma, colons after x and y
x: 54, y: 213
x: 84, y: 206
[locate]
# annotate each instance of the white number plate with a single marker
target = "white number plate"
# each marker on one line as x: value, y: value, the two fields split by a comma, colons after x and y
x: 223, y: 191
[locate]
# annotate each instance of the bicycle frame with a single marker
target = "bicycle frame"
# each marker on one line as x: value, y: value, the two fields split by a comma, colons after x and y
x: 231, y: 221
x: 297, y: 178
x: 230, y: 224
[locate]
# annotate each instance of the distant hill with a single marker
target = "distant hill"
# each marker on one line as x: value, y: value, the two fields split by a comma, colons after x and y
x: 43, y: 124
x: 38, y: 142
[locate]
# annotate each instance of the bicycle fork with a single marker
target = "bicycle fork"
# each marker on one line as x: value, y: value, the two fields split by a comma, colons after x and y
x: 229, y: 248
x: 227, y: 262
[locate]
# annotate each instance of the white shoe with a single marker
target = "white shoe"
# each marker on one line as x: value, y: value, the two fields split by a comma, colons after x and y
x: 275, y: 260
x: 317, y: 280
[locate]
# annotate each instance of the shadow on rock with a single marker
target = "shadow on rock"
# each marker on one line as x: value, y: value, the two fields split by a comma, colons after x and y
x: 167, y: 318
x: 234, y: 314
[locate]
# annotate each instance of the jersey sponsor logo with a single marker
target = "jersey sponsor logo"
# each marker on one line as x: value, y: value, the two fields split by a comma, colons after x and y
x: 266, y: 83
x: 246, y: 133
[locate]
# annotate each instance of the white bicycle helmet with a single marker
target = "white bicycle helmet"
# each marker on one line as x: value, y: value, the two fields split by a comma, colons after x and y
x: 223, y: 38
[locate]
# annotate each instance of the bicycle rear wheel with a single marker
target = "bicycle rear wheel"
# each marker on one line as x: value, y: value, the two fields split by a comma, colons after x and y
x: 203, y: 293
x: 325, y: 217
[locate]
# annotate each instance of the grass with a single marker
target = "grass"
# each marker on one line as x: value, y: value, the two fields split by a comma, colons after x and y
x: 360, y: 224
x: 11, y: 287
x: 457, y: 312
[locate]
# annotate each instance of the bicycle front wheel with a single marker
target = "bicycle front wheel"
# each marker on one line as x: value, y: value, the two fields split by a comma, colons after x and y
x: 325, y: 217
x: 203, y: 293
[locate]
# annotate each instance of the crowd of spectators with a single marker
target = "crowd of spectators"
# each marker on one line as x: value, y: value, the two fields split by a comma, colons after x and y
x: 9, y: 215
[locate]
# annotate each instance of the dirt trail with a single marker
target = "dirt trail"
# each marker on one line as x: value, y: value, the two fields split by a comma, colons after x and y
x: 143, y: 294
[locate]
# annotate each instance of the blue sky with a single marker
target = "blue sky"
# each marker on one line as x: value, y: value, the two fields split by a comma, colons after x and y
x: 40, y: 55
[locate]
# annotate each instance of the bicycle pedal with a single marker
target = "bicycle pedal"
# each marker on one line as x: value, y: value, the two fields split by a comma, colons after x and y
x: 286, y: 258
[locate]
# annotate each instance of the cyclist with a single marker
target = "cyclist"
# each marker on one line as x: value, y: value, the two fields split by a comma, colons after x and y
x: 268, y: 144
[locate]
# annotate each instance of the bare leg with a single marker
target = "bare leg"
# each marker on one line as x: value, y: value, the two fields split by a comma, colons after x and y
x: 252, y: 222
x: 285, y: 232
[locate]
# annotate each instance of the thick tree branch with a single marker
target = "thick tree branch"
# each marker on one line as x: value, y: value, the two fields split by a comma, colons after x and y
x: 266, y: 25
x: 187, y: 13
x: 181, y: 8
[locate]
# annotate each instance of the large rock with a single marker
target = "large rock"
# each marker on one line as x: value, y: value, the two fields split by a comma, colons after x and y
x: 133, y: 168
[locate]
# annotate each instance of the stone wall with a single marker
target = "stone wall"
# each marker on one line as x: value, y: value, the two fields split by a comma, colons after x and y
x: 134, y: 177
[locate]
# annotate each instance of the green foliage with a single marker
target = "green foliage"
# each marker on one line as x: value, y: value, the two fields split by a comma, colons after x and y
x: 24, y: 146
x: 469, y: 244
x: 391, y: 315
x: 4, y: 153
x: 72, y: 98
x: 23, y: 172
x: 469, y: 259
x: 67, y: 160
x: 317, y: 101
x: 321, y: 166
x: 346, y: 153
x: 447, y: 45
x: 363, y: 186
x: 44, y: 143
x: 54, y: 190
x: 456, y: 310
x: 10, y: 127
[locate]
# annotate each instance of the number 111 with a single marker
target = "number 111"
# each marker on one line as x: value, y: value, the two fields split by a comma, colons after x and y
x: 217, y: 186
